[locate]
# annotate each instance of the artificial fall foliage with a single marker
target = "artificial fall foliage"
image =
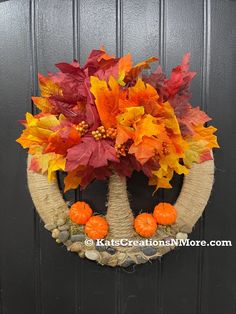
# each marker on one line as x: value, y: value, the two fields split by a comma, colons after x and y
x: 106, y: 116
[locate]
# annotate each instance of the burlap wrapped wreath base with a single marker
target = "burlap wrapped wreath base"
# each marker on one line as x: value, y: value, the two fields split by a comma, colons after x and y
x: 53, y: 210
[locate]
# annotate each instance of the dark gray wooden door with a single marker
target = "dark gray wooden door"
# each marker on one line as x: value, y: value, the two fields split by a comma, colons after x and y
x: 37, y: 275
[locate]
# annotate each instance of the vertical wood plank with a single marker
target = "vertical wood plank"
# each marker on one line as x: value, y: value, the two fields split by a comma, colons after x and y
x: 16, y: 232
x: 204, y: 102
x: 184, y: 33
x: 34, y: 91
x: 55, y: 34
x: 97, y: 27
x: 77, y: 195
x: 139, y: 289
x: 219, y: 277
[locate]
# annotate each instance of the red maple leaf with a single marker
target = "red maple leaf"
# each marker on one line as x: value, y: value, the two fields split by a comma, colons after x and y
x: 90, y: 153
x: 127, y: 165
x: 156, y: 79
x: 88, y: 174
x: 73, y: 68
x: 180, y: 78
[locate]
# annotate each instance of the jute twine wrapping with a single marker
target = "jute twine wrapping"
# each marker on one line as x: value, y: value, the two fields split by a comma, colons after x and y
x: 194, y: 195
x: 46, y: 197
x: 190, y: 204
x: 119, y: 214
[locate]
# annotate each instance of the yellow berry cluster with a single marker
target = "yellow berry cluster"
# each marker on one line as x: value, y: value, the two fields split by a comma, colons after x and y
x: 101, y: 132
x: 82, y: 127
x: 120, y: 150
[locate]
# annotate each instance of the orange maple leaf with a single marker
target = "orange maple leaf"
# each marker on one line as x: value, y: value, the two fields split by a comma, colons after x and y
x: 145, y: 149
x: 141, y: 94
x: 106, y: 100
x: 138, y: 68
x: 72, y: 180
x: 42, y: 104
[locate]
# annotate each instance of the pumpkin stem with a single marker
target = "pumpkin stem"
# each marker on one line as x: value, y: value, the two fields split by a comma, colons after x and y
x: 119, y: 213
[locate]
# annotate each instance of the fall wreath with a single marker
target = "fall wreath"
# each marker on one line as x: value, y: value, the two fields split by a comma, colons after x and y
x: 106, y: 120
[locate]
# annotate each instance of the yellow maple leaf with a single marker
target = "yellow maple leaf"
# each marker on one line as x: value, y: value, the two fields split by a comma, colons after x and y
x: 169, y: 118
x: 55, y: 164
x: 47, y: 163
x: 161, y: 178
x: 126, y: 122
x: 200, y: 144
x: 147, y: 126
x: 192, y: 154
x: 130, y: 116
x: 48, y: 121
x: 38, y: 130
x: 48, y: 88
x: 207, y: 134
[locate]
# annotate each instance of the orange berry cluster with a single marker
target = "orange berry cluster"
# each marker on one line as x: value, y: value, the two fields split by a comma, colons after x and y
x: 111, y: 133
x: 120, y: 150
x: 82, y: 127
x: 165, y: 148
x: 101, y: 132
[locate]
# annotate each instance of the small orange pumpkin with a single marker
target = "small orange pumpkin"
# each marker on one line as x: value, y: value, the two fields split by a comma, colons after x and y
x: 145, y: 225
x: 165, y: 214
x: 96, y: 227
x: 80, y: 212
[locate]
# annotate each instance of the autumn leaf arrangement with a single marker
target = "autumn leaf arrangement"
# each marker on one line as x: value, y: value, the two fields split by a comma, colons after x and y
x: 112, y: 117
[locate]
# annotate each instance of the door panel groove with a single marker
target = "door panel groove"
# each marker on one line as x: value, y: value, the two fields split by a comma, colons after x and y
x: 76, y: 41
x: 119, y: 28
x: 162, y: 37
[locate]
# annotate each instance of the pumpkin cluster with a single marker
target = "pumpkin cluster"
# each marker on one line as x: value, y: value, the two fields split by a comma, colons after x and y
x: 146, y: 224
x: 105, y: 116
x: 96, y: 227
